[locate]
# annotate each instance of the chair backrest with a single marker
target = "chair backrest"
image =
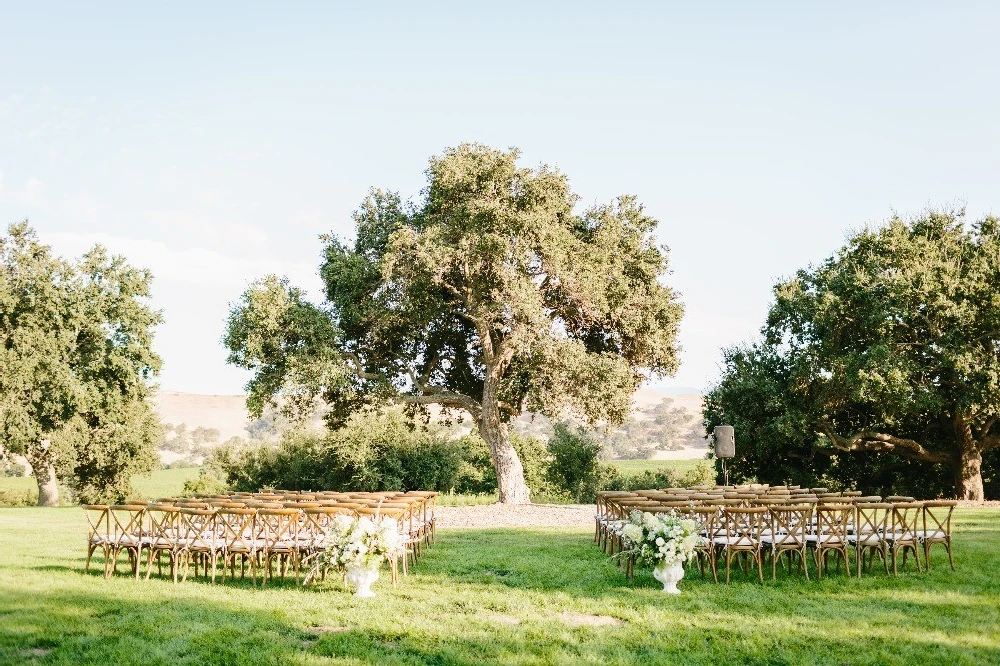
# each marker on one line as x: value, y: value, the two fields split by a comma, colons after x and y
x: 937, y: 516
x: 834, y: 520
x: 163, y: 521
x: 236, y: 529
x: 97, y: 521
x: 197, y: 528
x: 790, y: 524
x: 278, y: 527
x: 871, y: 518
x: 905, y: 521
x: 743, y: 525
x: 705, y: 518
x: 126, y: 523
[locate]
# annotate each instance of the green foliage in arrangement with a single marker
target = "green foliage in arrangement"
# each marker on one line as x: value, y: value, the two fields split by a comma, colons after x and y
x: 481, y: 596
x: 879, y: 366
x: 76, y: 366
x: 488, y: 296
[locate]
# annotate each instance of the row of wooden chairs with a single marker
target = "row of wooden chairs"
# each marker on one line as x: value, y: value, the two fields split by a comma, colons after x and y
x: 751, y: 530
x: 259, y: 530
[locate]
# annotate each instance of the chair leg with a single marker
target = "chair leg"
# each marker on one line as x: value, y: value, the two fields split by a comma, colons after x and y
x: 947, y: 546
x: 90, y: 552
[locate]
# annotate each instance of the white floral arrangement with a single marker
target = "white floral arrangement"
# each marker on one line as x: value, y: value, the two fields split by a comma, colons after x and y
x: 659, y: 538
x: 363, y: 543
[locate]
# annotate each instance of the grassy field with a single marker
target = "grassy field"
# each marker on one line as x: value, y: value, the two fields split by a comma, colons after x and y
x: 632, y: 467
x: 161, y: 483
x: 493, y: 596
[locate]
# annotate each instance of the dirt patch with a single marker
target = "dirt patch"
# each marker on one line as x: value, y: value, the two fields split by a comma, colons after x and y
x: 327, y: 630
x: 36, y: 652
x: 583, y: 620
x: 500, y: 618
x: 523, y: 515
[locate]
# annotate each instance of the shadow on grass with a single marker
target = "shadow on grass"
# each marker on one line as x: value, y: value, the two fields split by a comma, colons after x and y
x: 79, y: 628
x: 496, y: 596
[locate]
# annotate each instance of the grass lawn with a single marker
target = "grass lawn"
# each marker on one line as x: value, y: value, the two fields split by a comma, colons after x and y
x: 160, y: 483
x: 634, y: 467
x: 493, y: 596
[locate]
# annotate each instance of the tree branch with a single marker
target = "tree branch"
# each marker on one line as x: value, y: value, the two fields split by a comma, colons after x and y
x: 427, y: 395
x: 359, y: 369
x: 876, y: 441
x: 445, y: 399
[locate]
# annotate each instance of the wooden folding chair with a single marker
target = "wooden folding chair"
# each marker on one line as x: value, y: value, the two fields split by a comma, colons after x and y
x: 868, y: 537
x: 937, y: 528
x: 164, y: 538
x: 126, y: 525
x: 787, y: 532
x: 832, y: 522
x: 199, y: 539
x: 236, y: 531
x: 278, y: 532
x: 742, y: 535
x: 902, y: 535
x: 98, y: 534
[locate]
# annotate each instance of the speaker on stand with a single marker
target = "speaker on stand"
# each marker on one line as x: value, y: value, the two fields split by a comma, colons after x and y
x: 724, y: 438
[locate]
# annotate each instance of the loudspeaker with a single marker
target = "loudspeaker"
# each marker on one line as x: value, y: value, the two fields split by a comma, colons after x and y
x: 725, y: 441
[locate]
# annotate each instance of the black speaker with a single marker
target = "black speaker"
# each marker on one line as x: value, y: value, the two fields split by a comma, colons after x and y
x: 725, y: 441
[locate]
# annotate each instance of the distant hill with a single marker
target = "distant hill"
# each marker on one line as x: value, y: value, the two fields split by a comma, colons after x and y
x: 228, y: 414
x: 225, y: 413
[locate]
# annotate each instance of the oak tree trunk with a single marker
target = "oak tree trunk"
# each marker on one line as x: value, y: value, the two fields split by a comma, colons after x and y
x: 42, y: 466
x: 968, y: 474
x: 48, y: 486
x: 510, y: 472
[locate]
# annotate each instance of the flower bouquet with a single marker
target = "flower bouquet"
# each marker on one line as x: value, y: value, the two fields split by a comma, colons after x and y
x: 662, y: 540
x: 358, y: 546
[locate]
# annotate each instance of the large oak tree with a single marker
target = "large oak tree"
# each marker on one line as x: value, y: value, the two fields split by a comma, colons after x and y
x: 76, y: 363
x: 890, y: 346
x: 489, y: 295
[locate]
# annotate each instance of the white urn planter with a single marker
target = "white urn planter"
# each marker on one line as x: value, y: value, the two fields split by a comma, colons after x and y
x: 362, y: 578
x: 669, y: 575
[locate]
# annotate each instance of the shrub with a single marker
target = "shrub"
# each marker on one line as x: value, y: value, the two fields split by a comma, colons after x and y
x: 13, y: 469
x: 375, y: 450
x: 703, y: 474
x: 476, y: 474
x: 536, y: 460
x: 574, y: 468
x: 18, y: 496
x: 208, y: 482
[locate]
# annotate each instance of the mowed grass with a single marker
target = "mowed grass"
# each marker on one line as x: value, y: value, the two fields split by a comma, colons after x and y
x: 159, y: 483
x: 635, y: 467
x: 493, y: 596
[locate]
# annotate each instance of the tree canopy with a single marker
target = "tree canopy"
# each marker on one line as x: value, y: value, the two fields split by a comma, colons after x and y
x: 891, y: 347
x: 488, y: 296
x: 76, y: 366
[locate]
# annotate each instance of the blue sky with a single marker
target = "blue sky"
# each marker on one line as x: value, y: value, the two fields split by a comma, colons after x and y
x: 214, y: 144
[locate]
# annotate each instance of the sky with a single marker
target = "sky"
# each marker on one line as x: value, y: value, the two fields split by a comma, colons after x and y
x: 214, y: 144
